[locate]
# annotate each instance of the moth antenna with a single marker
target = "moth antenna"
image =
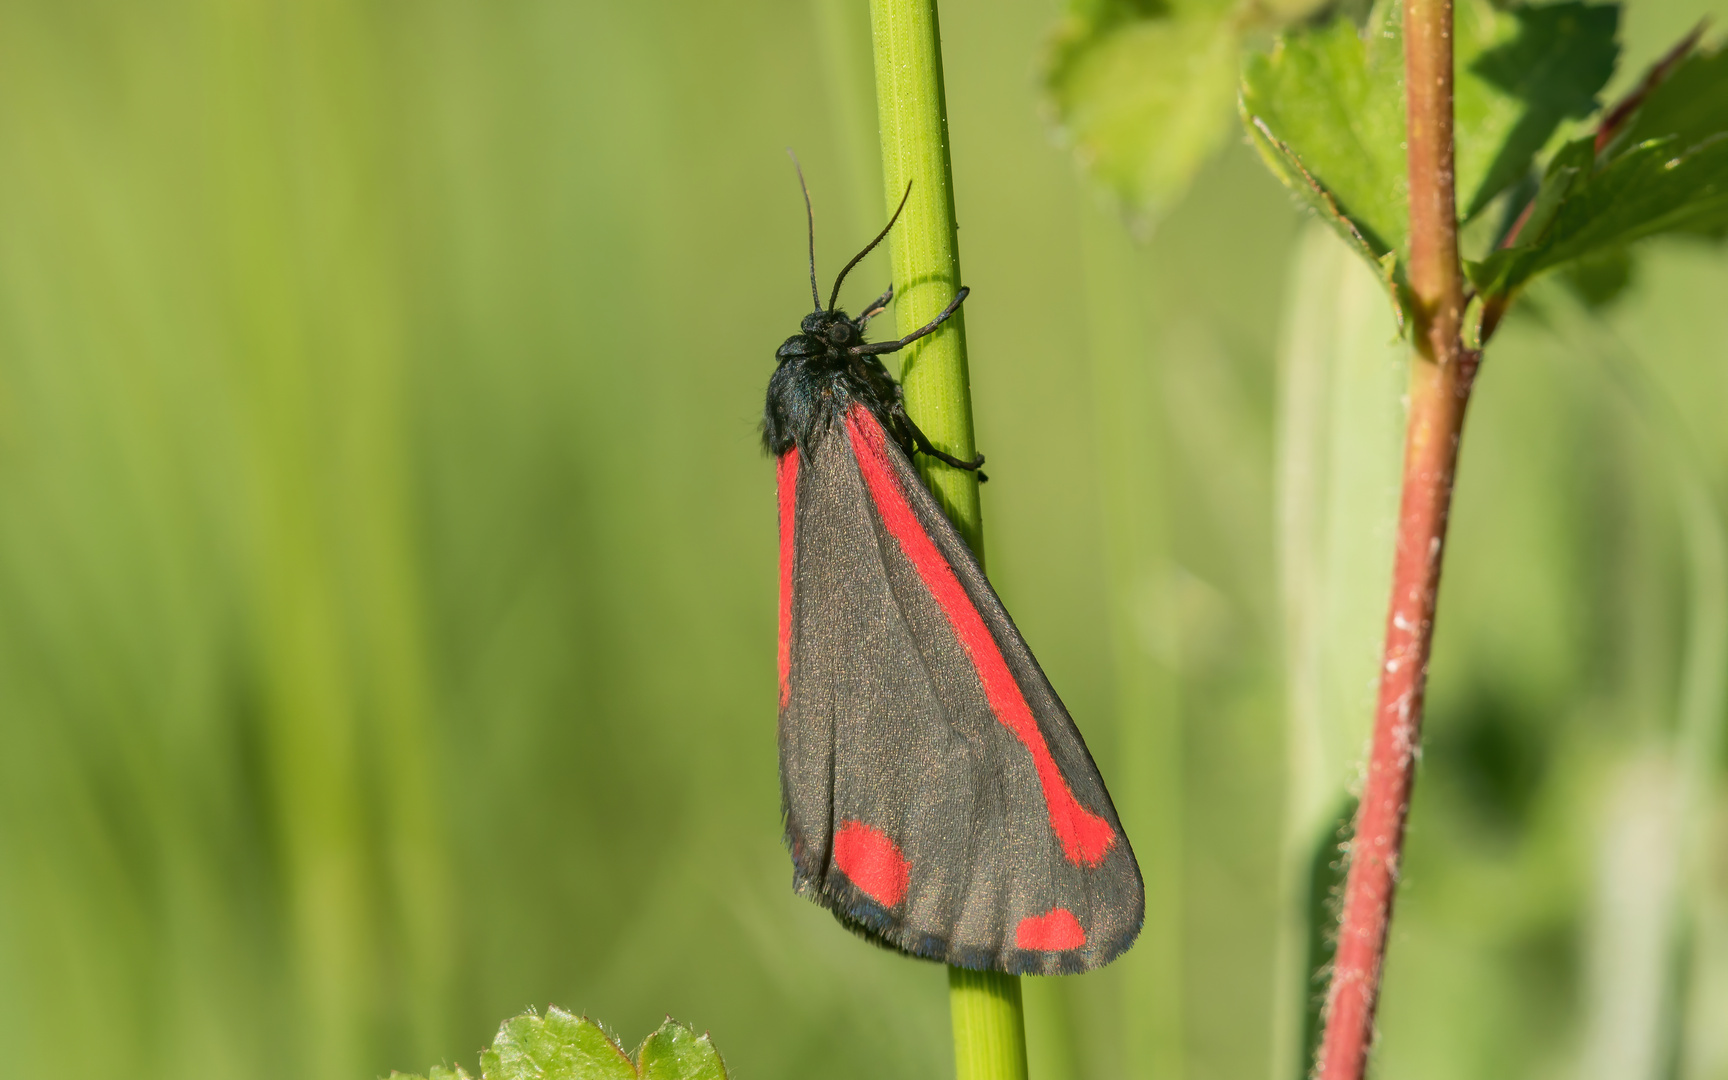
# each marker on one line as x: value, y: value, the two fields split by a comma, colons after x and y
x: 868, y: 248
x: 810, y: 220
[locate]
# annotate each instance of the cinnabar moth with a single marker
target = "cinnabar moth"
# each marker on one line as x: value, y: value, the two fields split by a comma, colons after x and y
x: 937, y: 796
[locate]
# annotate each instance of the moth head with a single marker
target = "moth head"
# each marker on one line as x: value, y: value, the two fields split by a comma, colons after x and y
x: 823, y: 331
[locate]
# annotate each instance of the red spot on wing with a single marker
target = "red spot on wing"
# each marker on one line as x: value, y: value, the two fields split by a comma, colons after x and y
x: 1054, y: 931
x: 872, y: 861
x: 1084, y: 836
x: 788, y: 481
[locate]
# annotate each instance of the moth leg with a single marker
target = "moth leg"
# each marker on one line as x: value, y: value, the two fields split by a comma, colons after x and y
x: 929, y: 327
x: 925, y: 446
x: 877, y: 307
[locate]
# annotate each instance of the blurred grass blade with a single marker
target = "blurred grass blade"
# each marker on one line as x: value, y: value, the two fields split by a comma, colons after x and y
x: 1134, y: 488
x: 843, y: 33
x: 1339, y: 431
x: 229, y: 453
x: 333, y: 577
x: 1657, y: 938
x: 1698, y: 952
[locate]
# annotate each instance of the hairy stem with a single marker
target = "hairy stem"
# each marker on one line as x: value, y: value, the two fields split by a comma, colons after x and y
x: 1440, y: 377
x: 989, y: 1025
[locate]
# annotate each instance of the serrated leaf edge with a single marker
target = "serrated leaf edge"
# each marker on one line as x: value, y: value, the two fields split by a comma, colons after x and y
x: 1386, y: 266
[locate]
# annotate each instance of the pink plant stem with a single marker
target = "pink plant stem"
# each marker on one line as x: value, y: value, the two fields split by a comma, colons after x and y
x: 1440, y: 377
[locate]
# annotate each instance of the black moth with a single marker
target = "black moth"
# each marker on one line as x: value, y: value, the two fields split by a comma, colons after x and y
x: 938, y: 798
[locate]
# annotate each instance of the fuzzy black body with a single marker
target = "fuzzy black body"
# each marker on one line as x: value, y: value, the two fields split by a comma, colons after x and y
x: 818, y: 379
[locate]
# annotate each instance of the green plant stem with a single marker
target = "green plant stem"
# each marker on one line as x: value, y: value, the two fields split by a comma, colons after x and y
x: 989, y: 1024
x: 925, y: 249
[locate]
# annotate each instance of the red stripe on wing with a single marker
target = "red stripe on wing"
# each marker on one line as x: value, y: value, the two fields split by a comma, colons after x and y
x: 872, y: 861
x: 1085, y: 836
x: 1056, y: 930
x: 788, y: 482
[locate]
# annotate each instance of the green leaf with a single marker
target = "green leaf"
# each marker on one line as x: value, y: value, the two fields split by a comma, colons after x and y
x: 1691, y: 103
x: 1666, y: 170
x: 1658, y: 186
x: 557, y: 1046
x: 1575, y: 159
x: 676, y: 1052
x: 1142, y: 92
x: 1326, y: 107
x: 1533, y: 68
x: 1287, y: 167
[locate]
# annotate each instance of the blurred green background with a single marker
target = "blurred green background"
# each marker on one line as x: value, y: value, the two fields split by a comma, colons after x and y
x: 386, y: 561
